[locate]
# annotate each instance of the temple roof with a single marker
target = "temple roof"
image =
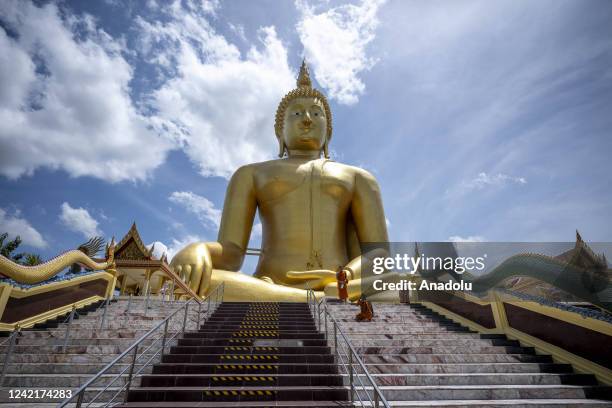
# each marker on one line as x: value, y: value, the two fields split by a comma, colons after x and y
x: 131, y: 247
x: 583, y: 256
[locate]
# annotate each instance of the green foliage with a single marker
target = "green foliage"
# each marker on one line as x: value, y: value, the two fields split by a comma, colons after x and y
x: 7, y: 249
x: 32, y: 260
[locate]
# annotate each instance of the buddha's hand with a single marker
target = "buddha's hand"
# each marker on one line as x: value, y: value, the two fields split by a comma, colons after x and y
x: 193, y: 264
x: 315, y: 279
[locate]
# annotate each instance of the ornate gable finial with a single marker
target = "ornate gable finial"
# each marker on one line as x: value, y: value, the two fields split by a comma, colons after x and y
x: 110, y: 251
x: 303, y: 79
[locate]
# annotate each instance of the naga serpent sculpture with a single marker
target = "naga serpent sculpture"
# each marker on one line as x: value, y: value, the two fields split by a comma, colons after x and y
x: 589, y: 284
x: 39, y: 273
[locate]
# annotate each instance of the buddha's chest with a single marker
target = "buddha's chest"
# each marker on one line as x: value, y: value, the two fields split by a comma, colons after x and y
x: 297, y: 183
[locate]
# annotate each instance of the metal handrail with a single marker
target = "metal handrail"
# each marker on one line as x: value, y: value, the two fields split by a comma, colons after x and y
x: 11, y: 344
x: 377, y: 399
x: 79, y: 394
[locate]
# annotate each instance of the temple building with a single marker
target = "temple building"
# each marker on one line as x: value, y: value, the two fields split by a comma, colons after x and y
x: 139, y: 272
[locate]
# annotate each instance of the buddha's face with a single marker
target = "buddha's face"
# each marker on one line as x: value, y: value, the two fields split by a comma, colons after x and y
x: 305, y: 126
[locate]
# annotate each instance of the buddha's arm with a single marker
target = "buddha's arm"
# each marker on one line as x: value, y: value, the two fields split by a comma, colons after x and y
x: 369, y: 218
x: 196, y: 261
x: 236, y: 221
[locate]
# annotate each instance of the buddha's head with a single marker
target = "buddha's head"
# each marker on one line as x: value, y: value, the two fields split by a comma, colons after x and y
x: 303, y: 118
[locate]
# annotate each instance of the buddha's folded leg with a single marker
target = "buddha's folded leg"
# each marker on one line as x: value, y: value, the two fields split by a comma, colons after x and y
x: 246, y: 288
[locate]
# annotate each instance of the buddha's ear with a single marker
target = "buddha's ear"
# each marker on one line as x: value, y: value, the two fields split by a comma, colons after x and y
x: 281, y: 147
x: 326, y: 149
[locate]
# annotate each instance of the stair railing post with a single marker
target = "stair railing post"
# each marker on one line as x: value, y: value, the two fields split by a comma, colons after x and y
x: 336, y: 340
x: 127, y: 311
x: 185, y: 316
x: 208, y: 308
x: 131, y: 373
x: 325, y: 315
x: 67, y: 335
x: 317, y: 315
x: 376, y: 400
x: 80, y: 399
x: 199, y: 315
x: 146, y: 307
x: 103, y: 318
x: 9, y: 352
x: 351, y: 373
x: 163, y: 347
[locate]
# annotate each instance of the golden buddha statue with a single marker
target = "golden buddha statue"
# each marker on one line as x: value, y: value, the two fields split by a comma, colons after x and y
x: 314, y: 214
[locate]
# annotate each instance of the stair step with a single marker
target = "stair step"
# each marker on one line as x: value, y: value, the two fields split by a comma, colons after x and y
x: 490, y: 392
x: 257, y: 393
x: 397, y: 379
x: 417, y: 365
x: 467, y: 368
x: 240, y: 379
x: 245, y: 369
x: 243, y: 404
x: 515, y: 403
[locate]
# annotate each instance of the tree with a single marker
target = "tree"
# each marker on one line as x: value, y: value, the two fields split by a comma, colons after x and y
x: 7, y: 249
x: 32, y: 260
x: 24, y: 258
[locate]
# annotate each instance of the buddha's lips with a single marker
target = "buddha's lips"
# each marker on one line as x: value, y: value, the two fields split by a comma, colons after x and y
x: 306, y: 129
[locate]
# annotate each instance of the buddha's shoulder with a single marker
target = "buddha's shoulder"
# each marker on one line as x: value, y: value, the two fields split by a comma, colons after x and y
x: 277, y: 165
x: 264, y: 166
x: 355, y: 171
x: 256, y: 169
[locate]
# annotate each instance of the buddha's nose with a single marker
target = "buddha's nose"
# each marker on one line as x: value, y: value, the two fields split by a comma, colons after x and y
x: 307, y: 122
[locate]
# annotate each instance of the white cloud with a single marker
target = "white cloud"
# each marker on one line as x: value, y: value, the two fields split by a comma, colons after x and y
x: 159, y: 250
x: 471, y: 238
x: 79, y: 220
x: 335, y: 44
x: 16, y: 225
x: 64, y: 99
x: 203, y: 208
x: 256, y: 231
x: 237, y: 29
x: 65, y: 94
x: 219, y: 103
x: 484, y: 181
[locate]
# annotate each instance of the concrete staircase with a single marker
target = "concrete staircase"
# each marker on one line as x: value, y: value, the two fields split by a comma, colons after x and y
x: 39, y: 360
x: 247, y: 355
x: 420, y: 358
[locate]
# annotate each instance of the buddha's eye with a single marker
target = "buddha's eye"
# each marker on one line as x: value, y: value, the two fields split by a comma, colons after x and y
x: 297, y: 113
x: 316, y: 113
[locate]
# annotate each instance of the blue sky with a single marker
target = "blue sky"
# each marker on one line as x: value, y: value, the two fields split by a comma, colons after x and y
x: 481, y: 120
